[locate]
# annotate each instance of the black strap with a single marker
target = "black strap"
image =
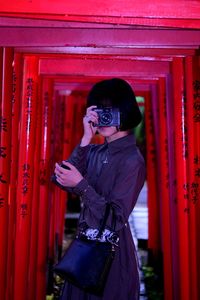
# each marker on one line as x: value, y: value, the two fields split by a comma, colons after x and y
x: 104, y: 220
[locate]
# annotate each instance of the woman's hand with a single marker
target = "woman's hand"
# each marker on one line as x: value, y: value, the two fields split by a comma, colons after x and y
x: 67, y: 177
x: 89, y: 120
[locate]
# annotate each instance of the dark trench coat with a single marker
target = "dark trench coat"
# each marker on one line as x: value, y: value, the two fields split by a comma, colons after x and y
x: 113, y: 172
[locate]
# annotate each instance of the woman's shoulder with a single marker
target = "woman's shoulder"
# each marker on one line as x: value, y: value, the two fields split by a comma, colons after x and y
x: 133, y: 158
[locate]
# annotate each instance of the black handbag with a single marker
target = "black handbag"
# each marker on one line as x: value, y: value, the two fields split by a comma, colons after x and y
x: 86, y: 263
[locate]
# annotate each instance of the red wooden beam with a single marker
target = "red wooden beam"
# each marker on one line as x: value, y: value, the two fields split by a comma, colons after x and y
x: 140, y: 38
x: 159, y: 8
x: 108, y: 21
x: 105, y: 67
x: 107, y: 51
x: 29, y: 20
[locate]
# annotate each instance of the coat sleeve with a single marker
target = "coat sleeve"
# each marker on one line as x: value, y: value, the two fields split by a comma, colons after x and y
x: 127, y: 186
x: 78, y: 158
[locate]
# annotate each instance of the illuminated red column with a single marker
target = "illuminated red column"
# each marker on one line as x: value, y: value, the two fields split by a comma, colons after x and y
x: 67, y: 147
x: 5, y: 160
x: 56, y: 193
x: 172, y: 187
x: 32, y: 282
x: 181, y: 140
x: 193, y: 166
x: 16, y: 104
x: 164, y: 194
x: 153, y: 205
x: 25, y: 176
x: 79, y: 112
x: 44, y: 180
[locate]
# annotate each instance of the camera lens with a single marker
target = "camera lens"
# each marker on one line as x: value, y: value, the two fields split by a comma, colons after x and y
x: 106, y: 118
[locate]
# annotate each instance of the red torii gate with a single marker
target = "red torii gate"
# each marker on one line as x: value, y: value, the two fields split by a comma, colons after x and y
x: 63, y: 44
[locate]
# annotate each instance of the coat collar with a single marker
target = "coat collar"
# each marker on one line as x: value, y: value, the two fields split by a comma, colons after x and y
x: 121, y: 143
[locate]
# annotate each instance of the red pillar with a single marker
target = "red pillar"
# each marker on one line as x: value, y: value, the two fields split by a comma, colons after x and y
x: 57, y: 195
x: 180, y: 124
x: 163, y: 172
x: 25, y: 176
x: 32, y: 282
x: 43, y: 215
x: 172, y: 187
x: 193, y: 168
x: 16, y: 104
x: 153, y: 206
x: 5, y: 158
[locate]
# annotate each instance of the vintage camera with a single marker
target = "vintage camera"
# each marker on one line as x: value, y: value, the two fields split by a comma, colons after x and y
x: 53, y: 177
x: 108, y: 116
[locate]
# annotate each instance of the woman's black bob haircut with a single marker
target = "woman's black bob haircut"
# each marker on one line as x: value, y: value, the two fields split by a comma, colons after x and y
x: 117, y: 93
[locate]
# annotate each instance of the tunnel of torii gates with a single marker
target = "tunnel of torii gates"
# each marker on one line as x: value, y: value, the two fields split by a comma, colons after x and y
x: 50, y: 56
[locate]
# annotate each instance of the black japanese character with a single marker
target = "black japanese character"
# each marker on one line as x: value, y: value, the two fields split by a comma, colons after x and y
x: 196, y: 105
x: 186, y: 210
x: 2, y: 152
x: 3, y: 124
x: 196, y: 85
x: 197, y: 172
x: 2, y: 202
x: 196, y: 159
x: 1, y: 179
x: 26, y: 167
x: 196, y: 117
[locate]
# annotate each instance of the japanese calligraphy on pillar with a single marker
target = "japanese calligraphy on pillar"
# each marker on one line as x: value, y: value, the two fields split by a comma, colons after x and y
x: 195, y: 186
x: 14, y: 86
x: 3, y: 155
x: 196, y: 105
x: 29, y: 94
x: 25, y: 188
x: 184, y: 127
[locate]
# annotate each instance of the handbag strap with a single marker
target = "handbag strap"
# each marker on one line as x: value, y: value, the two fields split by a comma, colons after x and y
x: 104, y: 220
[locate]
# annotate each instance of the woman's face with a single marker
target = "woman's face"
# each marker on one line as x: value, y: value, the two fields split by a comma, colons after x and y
x: 107, y: 131
x: 111, y: 133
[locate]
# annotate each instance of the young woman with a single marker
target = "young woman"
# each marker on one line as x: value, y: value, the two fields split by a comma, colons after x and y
x: 113, y: 172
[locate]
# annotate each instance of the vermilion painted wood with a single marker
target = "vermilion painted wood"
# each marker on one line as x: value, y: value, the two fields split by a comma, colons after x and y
x: 83, y: 37
x: 172, y: 186
x: 192, y: 189
x: 96, y: 21
x: 104, y: 51
x: 163, y: 171
x: 171, y: 9
x: 53, y: 231
x: 45, y: 21
x: 66, y: 151
x: 106, y: 67
x: 139, y: 21
x: 196, y: 161
x: 5, y: 157
x: 43, y: 216
x: 153, y: 205
x: 16, y: 103
x: 102, y: 57
x: 180, y: 124
x: 25, y: 177
x: 32, y: 288
x: 79, y: 112
x: 1, y: 73
x: 58, y: 195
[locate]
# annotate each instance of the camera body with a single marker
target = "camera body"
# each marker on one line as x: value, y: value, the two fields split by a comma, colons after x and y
x: 53, y: 177
x: 108, y: 116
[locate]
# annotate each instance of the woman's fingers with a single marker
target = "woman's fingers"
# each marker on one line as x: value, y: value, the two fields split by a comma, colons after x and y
x: 91, y: 119
x: 91, y: 115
